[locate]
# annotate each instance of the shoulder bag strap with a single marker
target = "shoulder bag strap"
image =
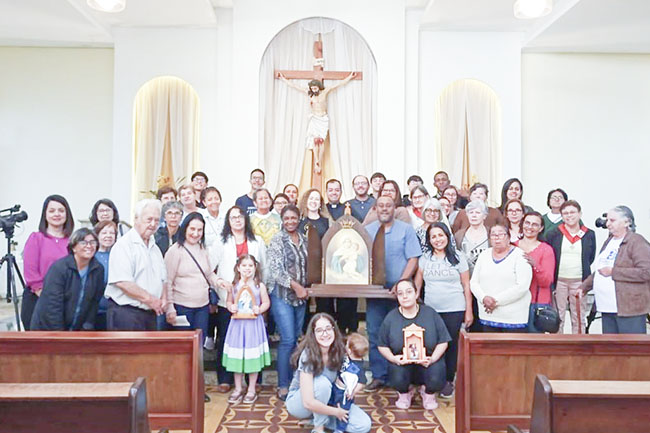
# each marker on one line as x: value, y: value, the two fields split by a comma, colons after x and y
x: 198, y: 266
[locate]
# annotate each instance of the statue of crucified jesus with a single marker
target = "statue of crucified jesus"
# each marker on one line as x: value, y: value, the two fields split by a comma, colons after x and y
x: 318, y: 126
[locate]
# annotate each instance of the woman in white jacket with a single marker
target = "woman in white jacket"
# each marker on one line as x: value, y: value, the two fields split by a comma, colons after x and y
x: 501, y: 282
x: 237, y: 238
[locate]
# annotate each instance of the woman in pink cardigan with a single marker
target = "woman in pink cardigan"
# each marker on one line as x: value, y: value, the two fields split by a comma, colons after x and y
x: 541, y: 258
x: 43, y: 248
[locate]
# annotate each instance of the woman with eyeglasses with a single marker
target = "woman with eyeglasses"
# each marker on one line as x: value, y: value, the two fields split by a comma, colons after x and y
x: 501, y: 282
x: 318, y: 359
x: 422, y: 368
x: 237, y: 238
x: 106, y: 232
x: 72, y: 288
x: 554, y: 200
x: 574, y: 246
x: 43, y: 248
x: 540, y: 257
x: 514, y: 213
x: 418, y: 198
x: 167, y: 234
x: 451, y: 194
x: 105, y: 210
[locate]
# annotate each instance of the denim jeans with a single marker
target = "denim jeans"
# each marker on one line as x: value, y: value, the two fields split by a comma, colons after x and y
x: 198, y: 318
x: 376, y: 311
x: 358, y: 420
x: 615, y: 324
x: 288, y: 322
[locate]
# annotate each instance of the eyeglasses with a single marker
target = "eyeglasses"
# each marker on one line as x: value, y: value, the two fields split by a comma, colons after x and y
x: 323, y: 331
x: 173, y: 213
x: 85, y: 243
x: 236, y: 217
x: 108, y: 210
x: 417, y: 197
x: 498, y: 235
x: 515, y: 211
x: 529, y: 224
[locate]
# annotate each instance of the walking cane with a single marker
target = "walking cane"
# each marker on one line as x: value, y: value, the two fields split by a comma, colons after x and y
x: 579, y: 310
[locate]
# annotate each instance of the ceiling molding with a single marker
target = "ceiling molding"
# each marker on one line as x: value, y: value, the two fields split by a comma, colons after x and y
x: 560, y: 8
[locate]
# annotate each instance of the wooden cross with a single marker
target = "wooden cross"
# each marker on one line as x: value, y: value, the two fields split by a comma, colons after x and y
x: 318, y: 73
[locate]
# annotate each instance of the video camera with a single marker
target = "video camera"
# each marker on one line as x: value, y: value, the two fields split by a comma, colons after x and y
x: 14, y: 216
x: 602, y: 222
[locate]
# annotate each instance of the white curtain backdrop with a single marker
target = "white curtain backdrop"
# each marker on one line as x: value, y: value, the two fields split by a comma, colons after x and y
x: 470, y: 110
x: 284, y: 111
x: 166, y: 110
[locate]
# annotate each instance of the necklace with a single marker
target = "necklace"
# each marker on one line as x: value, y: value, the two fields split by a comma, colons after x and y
x: 417, y: 310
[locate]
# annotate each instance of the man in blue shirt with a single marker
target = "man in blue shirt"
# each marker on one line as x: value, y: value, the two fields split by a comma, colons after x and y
x: 402, y: 250
x: 245, y: 202
x: 362, y: 202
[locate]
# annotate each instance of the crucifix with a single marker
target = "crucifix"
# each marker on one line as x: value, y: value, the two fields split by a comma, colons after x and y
x: 318, y: 126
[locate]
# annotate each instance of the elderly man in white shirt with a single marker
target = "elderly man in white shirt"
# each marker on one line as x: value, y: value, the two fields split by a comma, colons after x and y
x: 136, y: 274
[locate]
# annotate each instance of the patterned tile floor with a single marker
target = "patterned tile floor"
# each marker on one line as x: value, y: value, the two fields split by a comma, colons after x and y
x: 268, y: 415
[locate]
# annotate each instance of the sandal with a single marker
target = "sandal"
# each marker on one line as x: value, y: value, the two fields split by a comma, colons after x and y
x: 250, y: 398
x: 235, y: 397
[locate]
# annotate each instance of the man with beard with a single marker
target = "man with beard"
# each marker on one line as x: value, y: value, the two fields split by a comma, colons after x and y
x: 401, y: 253
x: 361, y: 204
x: 318, y: 126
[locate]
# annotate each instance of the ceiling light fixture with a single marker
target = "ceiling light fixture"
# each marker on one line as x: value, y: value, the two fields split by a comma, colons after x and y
x: 529, y: 9
x: 107, y: 5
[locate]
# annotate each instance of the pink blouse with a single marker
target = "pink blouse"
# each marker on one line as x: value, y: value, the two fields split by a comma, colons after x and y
x: 40, y: 252
x: 543, y: 273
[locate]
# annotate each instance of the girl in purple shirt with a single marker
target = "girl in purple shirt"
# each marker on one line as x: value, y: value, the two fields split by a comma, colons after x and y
x: 43, y: 248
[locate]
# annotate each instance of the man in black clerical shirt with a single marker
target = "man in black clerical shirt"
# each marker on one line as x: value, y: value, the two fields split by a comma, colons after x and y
x: 333, y: 192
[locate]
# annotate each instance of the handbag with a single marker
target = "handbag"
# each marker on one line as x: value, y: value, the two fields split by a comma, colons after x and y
x: 213, y: 296
x: 546, y: 318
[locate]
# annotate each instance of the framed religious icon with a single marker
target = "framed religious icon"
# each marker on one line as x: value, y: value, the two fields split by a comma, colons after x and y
x: 344, y: 263
x: 413, y: 350
x: 245, y: 301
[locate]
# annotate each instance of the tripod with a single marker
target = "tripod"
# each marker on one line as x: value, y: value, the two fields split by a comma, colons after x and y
x: 12, y: 267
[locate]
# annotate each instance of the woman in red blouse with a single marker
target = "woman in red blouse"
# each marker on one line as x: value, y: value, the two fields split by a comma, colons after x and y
x: 541, y: 258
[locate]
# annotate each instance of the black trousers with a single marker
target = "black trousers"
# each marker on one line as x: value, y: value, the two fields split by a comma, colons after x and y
x: 453, y: 322
x: 401, y: 377
x: 346, y: 314
x: 223, y: 320
x: 487, y: 328
x: 27, y: 307
x: 129, y: 318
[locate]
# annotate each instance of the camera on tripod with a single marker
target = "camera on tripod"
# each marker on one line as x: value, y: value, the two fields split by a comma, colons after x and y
x: 15, y: 216
x: 602, y: 221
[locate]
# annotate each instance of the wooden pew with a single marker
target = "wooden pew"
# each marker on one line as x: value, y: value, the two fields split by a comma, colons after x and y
x: 496, y: 372
x: 589, y: 406
x: 171, y: 362
x: 74, y: 407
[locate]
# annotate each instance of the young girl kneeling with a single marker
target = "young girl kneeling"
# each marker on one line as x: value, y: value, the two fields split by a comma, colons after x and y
x: 246, y: 348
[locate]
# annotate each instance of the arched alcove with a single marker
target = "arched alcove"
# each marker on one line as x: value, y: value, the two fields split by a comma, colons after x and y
x: 469, y: 133
x: 165, y: 134
x: 284, y: 111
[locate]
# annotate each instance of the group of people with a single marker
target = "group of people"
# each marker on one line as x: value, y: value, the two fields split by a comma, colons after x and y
x: 452, y: 262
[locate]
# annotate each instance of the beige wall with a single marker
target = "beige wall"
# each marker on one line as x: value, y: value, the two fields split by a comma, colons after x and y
x: 586, y: 128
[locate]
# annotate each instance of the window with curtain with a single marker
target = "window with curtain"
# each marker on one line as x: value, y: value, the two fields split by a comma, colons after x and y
x: 468, y: 134
x: 165, y: 135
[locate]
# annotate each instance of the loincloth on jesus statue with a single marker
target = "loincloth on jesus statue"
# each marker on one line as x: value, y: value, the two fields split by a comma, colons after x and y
x: 317, y: 128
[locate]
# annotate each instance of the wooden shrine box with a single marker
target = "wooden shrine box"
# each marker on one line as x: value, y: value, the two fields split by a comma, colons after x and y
x: 245, y: 302
x: 346, y: 263
x: 413, y: 343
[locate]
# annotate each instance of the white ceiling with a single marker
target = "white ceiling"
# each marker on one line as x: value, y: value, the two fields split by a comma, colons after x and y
x: 573, y: 26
